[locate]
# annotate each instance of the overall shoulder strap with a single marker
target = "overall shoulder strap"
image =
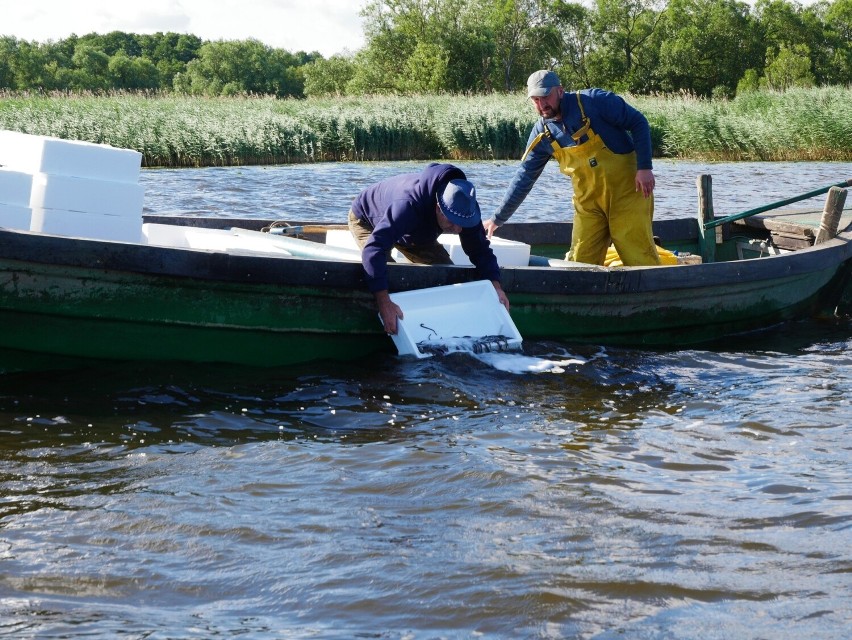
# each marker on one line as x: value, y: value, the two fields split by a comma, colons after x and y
x: 545, y: 133
x: 584, y: 129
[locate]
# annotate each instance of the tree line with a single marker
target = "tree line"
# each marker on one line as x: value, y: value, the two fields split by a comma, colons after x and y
x: 707, y: 48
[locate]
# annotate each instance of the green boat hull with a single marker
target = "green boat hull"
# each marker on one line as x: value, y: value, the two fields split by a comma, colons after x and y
x: 104, y: 300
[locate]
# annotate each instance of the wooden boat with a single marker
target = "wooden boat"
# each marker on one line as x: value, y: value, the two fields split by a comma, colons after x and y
x: 67, y: 296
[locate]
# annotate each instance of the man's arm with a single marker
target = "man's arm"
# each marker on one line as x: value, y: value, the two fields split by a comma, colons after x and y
x: 522, y: 182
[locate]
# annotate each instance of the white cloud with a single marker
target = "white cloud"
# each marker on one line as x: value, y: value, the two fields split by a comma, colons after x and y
x: 327, y: 26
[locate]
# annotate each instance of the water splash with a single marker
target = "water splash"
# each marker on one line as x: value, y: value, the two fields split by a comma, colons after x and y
x: 497, y: 352
x: 519, y: 363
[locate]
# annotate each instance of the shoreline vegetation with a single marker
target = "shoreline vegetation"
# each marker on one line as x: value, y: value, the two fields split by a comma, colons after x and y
x: 801, y: 124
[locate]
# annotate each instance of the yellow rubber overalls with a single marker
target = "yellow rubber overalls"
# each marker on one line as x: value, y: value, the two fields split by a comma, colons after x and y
x: 607, y: 206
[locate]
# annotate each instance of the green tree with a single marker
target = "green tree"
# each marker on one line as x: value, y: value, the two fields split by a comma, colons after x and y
x: 573, y: 25
x: 113, y: 42
x: 452, y: 45
x: 8, y: 53
x: 749, y: 82
x: 91, y: 68
x: 132, y: 73
x: 790, y: 68
x: 34, y: 68
x: 626, y: 56
x: 781, y: 22
x: 425, y: 69
x: 170, y: 53
x: 242, y: 67
x: 471, y: 56
x: 838, y: 18
x: 787, y: 24
x: 328, y: 76
x: 838, y: 44
x: 524, y: 39
x: 707, y: 45
x: 392, y: 30
x: 461, y: 42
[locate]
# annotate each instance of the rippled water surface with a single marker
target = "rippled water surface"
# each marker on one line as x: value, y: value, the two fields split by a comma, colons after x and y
x: 324, y: 191
x: 618, y: 493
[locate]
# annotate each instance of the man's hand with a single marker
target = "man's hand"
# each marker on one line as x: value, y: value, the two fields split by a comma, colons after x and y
x: 645, y: 182
x: 389, y: 311
x: 490, y: 227
x: 501, y: 295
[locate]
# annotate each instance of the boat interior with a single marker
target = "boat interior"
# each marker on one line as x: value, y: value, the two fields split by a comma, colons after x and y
x: 520, y: 244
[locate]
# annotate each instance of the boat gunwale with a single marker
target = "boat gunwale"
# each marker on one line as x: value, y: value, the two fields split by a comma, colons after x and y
x: 240, y: 267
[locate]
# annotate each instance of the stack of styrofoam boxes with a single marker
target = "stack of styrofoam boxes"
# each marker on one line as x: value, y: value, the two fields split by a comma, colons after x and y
x: 77, y: 188
x: 15, y: 190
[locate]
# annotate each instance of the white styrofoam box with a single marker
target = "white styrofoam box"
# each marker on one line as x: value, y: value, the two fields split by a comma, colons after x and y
x: 444, y: 315
x: 340, y: 238
x: 163, y: 235
x: 15, y: 217
x: 299, y: 246
x: 509, y: 253
x: 87, y: 195
x: 45, y: 154
x: 169, y: 235
x: 78, y: 224
x: 15, y: 187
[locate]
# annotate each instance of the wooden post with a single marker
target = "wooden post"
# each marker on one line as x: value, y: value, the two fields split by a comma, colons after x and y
x: 834, y: 202
x: 706, y: 237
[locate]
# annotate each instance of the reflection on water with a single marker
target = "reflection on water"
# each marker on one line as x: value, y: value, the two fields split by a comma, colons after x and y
x: 560, y: 492
x: 701, y: 492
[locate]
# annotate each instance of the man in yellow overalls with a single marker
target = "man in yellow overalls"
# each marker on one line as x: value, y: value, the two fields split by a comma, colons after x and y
x: 604, y: 145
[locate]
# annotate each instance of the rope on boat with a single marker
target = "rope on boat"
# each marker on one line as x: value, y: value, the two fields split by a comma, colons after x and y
x: 284, y: 228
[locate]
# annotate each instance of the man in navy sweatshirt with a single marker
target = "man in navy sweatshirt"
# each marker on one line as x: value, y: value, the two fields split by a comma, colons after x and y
x: 408, y: 212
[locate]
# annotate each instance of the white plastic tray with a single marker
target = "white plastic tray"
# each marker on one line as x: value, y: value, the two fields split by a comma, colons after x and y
x: 453, y: 318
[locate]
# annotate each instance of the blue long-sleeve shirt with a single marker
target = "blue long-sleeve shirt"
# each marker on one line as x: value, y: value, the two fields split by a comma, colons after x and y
x: 401, y: 210
x: 622, y: 127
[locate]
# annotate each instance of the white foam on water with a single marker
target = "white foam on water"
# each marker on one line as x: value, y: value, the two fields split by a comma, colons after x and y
x: 495, y: 352
x: 519, y: 363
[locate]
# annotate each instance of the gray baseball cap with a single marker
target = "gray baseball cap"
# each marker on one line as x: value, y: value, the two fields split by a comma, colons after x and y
x: 541, y: 82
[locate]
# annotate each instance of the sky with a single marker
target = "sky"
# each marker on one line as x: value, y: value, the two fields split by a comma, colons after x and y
x: 327, y: 26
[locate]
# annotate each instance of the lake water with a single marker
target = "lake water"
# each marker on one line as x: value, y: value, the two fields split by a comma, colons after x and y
x: 618, y: 493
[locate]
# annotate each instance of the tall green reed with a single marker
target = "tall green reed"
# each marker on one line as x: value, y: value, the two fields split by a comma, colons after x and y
x: 799, y: 124
x: 175, y: 131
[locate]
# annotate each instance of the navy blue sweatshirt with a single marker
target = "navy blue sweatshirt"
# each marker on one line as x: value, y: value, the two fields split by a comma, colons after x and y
x: 401, y: 210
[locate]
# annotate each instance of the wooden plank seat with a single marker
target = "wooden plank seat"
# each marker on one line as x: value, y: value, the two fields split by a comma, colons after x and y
x: 784, y: 232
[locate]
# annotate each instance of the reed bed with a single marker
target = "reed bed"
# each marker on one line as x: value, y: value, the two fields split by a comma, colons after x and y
x: 174, y: 131
x: 799, y: 124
